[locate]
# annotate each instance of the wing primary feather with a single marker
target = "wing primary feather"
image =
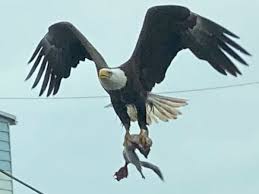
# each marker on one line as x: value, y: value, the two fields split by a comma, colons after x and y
x: 222, y: 63
x: 35, y: 52
x: 234, y: 44
x: 218, y: 68
x: 214, y: 27
x: 45, y: 80
x: 35, y: 65
x: 57, y: 85
x: 42, y: 68
x: 230, y: 66
x: 230, y: 51
x: 52, y: 84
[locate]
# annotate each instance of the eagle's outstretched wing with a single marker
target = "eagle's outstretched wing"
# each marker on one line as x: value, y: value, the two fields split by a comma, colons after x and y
x: 169, y: 29
x: 60, y: 50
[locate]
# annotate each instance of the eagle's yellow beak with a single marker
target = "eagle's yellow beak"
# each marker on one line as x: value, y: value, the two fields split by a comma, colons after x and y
x: 105, y: 74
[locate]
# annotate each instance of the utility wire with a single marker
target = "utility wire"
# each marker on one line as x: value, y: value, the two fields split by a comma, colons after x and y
x: 21, y: 182
x: 105, y: 96
x: 212, y: 88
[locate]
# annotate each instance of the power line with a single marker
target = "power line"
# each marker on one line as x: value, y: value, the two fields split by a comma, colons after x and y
x: 105, y: 96
x: 21, y: 182
x: 212, y: 88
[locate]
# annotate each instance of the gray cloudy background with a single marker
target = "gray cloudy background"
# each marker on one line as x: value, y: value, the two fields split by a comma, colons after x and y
x: 74, y: 146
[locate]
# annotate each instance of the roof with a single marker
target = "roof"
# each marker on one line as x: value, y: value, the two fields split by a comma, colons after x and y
x: 10, y: 118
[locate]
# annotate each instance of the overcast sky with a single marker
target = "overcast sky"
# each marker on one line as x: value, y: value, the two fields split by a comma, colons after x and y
x: 74, y: 146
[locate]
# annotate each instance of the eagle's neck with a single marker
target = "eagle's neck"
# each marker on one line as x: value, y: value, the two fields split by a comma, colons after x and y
x: 115, y: 79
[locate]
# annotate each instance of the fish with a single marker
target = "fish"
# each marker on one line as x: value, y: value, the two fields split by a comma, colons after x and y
x: 130, y: 157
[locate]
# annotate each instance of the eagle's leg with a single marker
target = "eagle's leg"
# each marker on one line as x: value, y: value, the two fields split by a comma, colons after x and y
x: 127, y: 137
x: 143, y: 137
x: 121, y: 110
x: 142, y: 122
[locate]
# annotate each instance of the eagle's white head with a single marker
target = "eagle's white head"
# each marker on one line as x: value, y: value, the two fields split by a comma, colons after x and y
x: 112, y: 79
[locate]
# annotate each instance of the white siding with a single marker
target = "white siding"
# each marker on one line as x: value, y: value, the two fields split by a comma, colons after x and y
x: 4, y: 126
x: 5, y: 165
x: 4, y: 136
x: 4, y: 146
x: 6, y: 192
x: 6, y: 185
x: 5, y: 156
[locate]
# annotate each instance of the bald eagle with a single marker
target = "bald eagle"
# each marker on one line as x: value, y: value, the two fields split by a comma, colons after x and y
x: 166, y: 31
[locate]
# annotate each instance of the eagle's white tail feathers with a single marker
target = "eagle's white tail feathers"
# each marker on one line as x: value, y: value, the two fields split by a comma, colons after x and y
x: 159, y: 108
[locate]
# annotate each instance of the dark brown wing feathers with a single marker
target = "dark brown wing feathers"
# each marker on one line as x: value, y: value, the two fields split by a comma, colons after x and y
x: 169, y: 29
x: 158, y: 43
x: 60, y: 50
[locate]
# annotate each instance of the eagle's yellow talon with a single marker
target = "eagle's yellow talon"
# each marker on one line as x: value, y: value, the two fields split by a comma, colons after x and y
x: 143, y: 137
x: 127, y: 138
